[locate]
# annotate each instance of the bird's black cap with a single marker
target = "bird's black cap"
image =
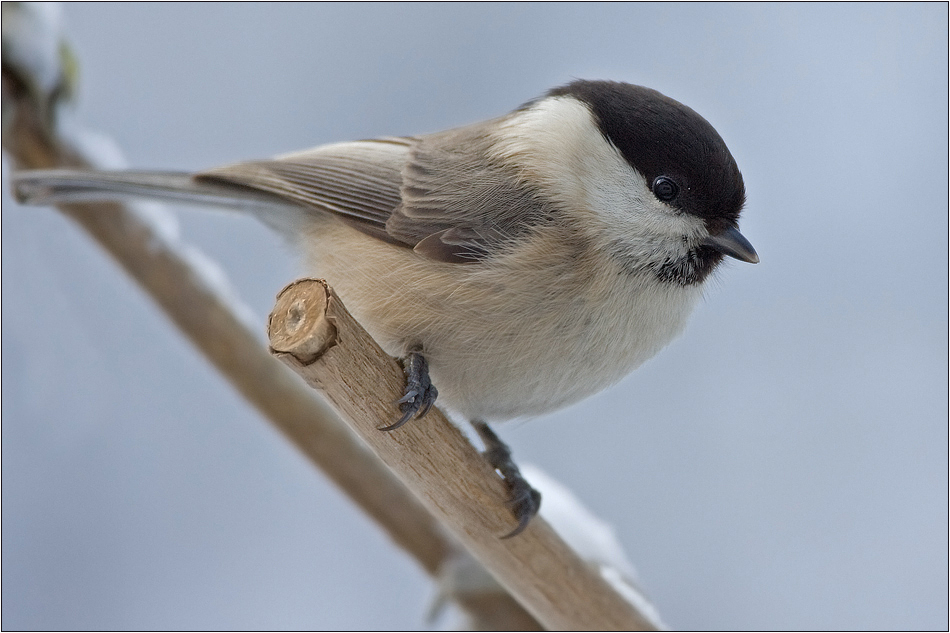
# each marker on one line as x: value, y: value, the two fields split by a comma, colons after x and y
x: 660, y: 136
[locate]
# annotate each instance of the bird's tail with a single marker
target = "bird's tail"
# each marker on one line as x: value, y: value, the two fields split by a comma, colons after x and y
x: 64, y: 186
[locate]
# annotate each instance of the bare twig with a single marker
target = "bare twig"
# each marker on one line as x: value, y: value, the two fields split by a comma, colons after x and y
x: 207, y: 319
x: 432, y: 457
x: 312, y: 332
x: 32, y: 141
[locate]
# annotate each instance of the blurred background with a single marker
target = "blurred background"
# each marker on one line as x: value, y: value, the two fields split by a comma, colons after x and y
x: 782, y: 465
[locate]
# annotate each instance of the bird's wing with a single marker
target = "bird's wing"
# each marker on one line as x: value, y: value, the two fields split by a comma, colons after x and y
x: 458, y: 202
x: 439, y: 194
x: 358, y: 181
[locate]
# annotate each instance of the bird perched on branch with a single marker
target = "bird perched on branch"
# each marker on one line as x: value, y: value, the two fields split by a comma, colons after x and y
x: 519, y: 264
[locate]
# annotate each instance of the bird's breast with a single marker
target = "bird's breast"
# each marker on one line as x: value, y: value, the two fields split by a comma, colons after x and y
x: 521, y: 335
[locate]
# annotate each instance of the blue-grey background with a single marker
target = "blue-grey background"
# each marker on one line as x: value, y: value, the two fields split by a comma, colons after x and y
x: 781, y: 465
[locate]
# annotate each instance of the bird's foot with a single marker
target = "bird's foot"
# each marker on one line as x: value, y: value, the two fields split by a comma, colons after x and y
x: 524, y: 500
x: 420, y: 393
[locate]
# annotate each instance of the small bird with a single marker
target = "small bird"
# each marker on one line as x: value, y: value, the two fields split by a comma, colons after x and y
x: 519, y: 264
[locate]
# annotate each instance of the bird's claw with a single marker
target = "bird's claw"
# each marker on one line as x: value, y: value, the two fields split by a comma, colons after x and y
x: 420, y: 393
x: 524, y: 500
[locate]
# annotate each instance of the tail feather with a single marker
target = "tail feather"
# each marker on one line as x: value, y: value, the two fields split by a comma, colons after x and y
x: 63, y: 186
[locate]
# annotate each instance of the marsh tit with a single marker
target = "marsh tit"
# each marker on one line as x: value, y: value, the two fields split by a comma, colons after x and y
x: 522, y: 263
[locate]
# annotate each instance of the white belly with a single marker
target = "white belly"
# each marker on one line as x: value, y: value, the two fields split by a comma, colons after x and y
x: 502, y: 342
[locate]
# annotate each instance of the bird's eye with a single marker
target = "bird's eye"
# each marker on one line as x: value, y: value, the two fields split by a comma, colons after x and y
x: 664, y: 188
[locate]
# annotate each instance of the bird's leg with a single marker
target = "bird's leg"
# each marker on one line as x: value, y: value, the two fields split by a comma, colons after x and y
x: 525, y: 501
x: 420, y: 393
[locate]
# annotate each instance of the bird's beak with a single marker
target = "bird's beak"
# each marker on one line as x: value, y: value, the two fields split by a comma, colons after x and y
x: 732, y: 243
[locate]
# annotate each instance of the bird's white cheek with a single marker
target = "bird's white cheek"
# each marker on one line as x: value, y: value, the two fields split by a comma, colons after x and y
x: 558, y: 147
x: 624, y: 209
x: 631, y: 218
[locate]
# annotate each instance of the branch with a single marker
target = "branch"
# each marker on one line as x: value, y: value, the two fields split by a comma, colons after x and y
x: 163, y: 268
x: 311, y: 331
x: 33, y: 86
x: 432, y: 456
x: 207, y: 319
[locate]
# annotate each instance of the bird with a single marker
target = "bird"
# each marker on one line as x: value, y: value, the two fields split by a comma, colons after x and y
x: 516, y: 265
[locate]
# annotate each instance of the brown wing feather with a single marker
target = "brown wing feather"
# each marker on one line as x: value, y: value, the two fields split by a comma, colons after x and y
x: 459, y: 205
x: 359, y: 181
x: 438, y: 194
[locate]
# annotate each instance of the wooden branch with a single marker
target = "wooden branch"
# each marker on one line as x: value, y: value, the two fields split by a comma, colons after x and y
x: 456, y: 484
x: 311, y: 331
x: 206, y: 319
x: 32, y: 142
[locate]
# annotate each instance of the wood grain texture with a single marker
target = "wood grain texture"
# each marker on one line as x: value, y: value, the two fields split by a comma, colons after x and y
x: 431, y: 455
x: 31, y: 140
x: 437, y: 462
